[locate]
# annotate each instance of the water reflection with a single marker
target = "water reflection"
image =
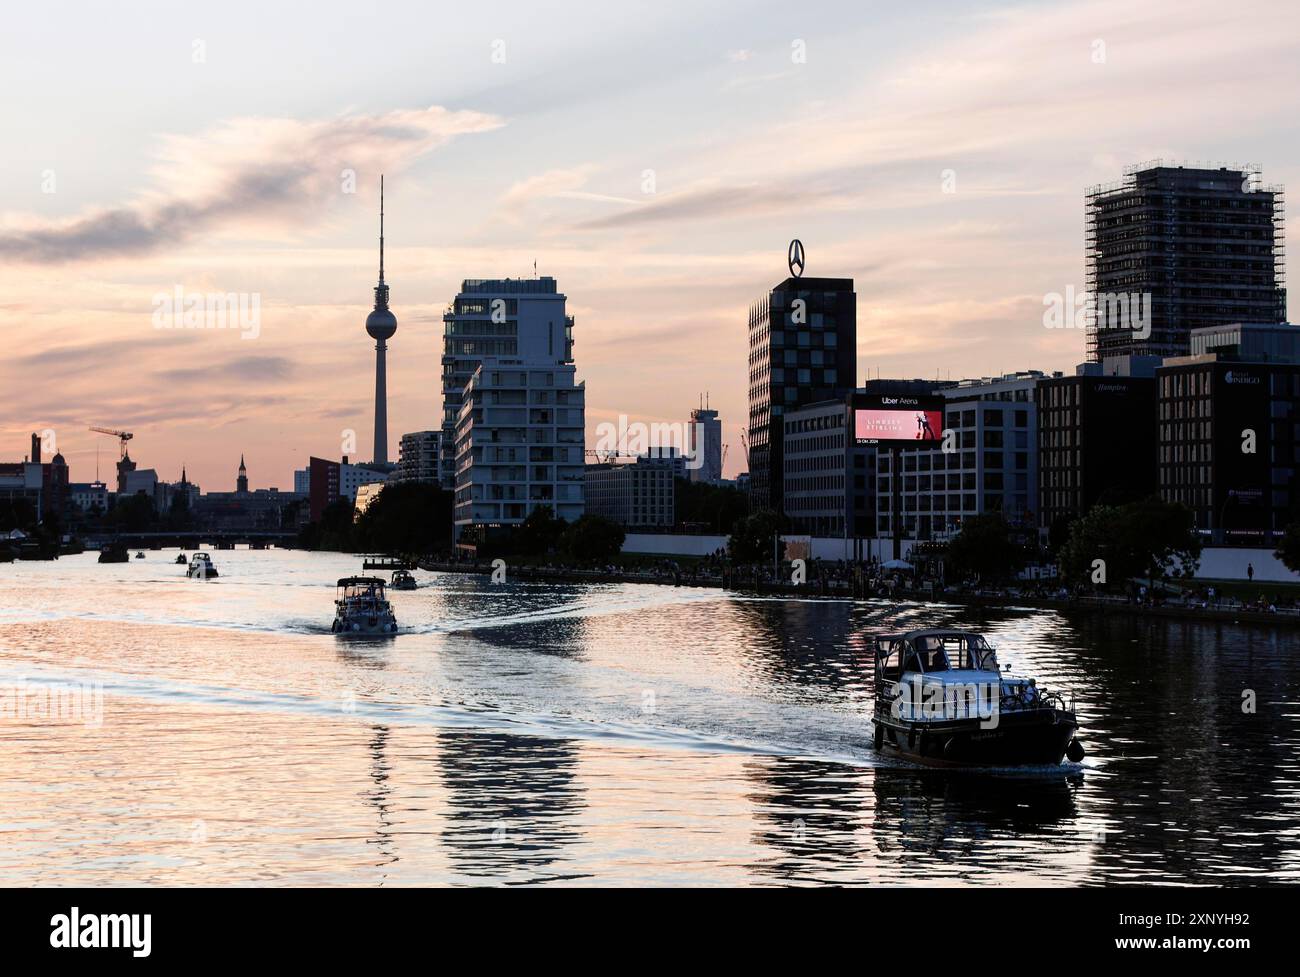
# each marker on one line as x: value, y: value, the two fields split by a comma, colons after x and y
x: 811, y: 815
x: 380, y: 799
x: 510, y: 806
x: 952, y: 816
x: 620, y: 733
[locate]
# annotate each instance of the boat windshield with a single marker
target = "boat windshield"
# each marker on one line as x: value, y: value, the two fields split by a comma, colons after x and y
x: 363, y: 591
x: 951, y: 650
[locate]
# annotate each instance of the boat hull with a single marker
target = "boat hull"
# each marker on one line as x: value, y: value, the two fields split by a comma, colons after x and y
x: 1036, y: 737
x: 383, y: 625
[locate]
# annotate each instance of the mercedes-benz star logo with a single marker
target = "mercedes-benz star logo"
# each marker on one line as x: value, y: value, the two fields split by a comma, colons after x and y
x: 796, y: 258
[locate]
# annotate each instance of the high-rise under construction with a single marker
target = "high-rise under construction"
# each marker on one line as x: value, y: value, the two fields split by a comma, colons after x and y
x: 1173, y: 248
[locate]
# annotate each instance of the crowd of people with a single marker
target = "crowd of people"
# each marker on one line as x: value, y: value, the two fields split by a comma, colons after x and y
x: 871, y: 578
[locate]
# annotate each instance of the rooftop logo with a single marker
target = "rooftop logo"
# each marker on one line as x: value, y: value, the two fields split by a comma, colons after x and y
x: 795, y: 258
x: 1231, y: 377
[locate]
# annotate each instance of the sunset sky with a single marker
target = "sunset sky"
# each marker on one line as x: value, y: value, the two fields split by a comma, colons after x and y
x: 149, y: 148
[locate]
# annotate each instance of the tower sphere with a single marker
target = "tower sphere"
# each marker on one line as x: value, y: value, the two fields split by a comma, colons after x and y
x: 381, y: 324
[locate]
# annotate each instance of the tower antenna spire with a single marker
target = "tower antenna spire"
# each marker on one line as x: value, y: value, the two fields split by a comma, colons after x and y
x: 381, y: 324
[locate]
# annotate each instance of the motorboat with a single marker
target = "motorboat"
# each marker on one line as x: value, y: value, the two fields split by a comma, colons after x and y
x: 139, y: 555
x: 114, y: 553
x: 201, y: 567
x: 181, y: 559
x: 360, y: 607
x: 942, y: 699
x: 402, y: 580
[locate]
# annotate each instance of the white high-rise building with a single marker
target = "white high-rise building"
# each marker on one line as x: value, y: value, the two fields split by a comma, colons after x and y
x: 519, y: 444
x: 352, y: 477
x: 418, y: 457
x: 521, y: 318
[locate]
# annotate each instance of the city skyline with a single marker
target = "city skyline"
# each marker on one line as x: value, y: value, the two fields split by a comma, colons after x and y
x: 240, y: 189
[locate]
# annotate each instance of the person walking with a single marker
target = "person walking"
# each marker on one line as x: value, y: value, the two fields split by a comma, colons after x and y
x: 1250, y: 571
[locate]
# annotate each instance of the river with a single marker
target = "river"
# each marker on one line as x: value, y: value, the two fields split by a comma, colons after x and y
x: 161, y: 730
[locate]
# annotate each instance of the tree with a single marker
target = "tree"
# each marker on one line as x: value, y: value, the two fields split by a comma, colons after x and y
x: 133, y: 513
x: 334, y: 530
x: 751, y: 539
x: 538, y: 534
x: 1289, y: 549
x: 985, y: 548
x: 1153, y: 539
x: 178, y: 513
x: 717, y: 507
x: 17, y: 513
x: 592, y: 538
x: 406, y: 518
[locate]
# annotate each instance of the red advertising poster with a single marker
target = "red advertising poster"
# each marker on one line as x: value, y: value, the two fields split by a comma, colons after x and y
x: 898, y: 425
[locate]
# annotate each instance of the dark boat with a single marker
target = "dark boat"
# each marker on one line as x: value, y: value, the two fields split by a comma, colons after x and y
x: 201, y: 567
x: 402, y: 580
x: 360, y: 607
x: 114, y: 553
x: 943, y: 700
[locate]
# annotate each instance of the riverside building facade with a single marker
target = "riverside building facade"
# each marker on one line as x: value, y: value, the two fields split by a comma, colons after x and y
x: 802, y: 350
x: 1206, y: 245
x: 517, y: 318
x: 519, y: 446
x: 992, y: 467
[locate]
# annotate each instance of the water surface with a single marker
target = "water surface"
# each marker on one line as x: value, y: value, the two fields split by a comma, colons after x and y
x: 596, y: 734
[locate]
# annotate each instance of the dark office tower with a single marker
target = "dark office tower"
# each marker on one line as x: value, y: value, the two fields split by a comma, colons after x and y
x: 1205, y: 244
x: 803, y: 339
x: 1096, y: 443
x: 1229, y: 431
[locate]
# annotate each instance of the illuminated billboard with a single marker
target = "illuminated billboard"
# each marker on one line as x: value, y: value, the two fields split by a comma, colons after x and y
x: 898, y: 420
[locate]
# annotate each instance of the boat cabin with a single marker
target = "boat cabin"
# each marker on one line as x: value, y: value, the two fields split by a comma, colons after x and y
x: 361, y: 588
x: 933, y: 651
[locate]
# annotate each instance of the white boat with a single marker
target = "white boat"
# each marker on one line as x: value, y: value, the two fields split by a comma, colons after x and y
x: 360, y: 607
x: 942, y: 699
x: 201, y: 567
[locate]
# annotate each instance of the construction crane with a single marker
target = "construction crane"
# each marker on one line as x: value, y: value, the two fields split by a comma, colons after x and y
x: 122, y: 436
x: 604, y: 457
x: 744, y: 443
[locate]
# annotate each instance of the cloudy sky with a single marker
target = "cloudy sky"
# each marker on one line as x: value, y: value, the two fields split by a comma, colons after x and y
x: 655, y: 158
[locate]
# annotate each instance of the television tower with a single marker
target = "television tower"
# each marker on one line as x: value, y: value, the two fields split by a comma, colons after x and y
x: 381, y: 324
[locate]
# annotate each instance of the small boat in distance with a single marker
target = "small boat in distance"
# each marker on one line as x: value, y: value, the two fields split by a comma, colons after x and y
x: 139, y: 554
x: 201, y: 567
x: 114, y: 553
x: 402, y: 580
x: 360, y: 607
x: 182, y: 559
x: 942, y: 700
